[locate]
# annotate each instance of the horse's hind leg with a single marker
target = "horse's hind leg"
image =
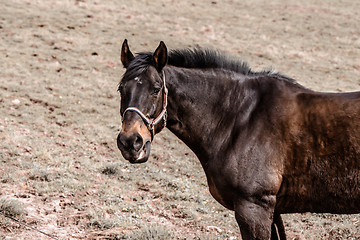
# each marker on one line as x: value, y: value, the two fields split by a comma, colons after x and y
x: 277, y: 228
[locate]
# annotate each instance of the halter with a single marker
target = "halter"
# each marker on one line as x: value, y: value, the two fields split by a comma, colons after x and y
x: 151, y: 123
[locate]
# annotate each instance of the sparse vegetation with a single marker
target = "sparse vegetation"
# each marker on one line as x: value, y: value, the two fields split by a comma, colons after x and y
x: 12, y: 207
x: 151, y: 233
x: 110, y: 169
x: 60, y: 169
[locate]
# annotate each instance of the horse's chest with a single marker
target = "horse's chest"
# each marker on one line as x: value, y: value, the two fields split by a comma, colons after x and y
x: 218, y: 193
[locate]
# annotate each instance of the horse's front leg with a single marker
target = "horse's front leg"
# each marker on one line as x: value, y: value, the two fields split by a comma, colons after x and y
x: 277, y: 228
x: 254, y: 219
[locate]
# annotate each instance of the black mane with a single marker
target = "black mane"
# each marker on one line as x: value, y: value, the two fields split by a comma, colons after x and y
x: 197, y: 58
x: 207, y: 58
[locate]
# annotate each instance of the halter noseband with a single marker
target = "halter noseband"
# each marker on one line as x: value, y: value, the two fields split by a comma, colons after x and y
x: 151, y: 123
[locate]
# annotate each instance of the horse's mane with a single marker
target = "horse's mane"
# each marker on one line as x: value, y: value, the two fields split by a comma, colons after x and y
x: 198, y: 58
x: 207, y: 58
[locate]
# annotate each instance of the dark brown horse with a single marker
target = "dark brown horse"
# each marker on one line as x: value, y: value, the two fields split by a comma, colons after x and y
x: 267, y: 144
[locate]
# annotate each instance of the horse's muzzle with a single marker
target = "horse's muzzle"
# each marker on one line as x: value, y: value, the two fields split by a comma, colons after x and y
x: 133, y: 148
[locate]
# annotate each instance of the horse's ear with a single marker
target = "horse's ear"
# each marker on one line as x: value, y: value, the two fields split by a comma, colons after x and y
x: 126, y: 55
x: 160, y: 56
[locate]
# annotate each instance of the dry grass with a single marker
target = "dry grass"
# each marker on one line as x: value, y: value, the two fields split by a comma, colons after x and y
x: 12, y: 208
x: 59, y: 70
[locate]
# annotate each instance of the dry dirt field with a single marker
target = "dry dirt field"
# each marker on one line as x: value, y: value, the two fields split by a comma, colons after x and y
x: 60, y: 169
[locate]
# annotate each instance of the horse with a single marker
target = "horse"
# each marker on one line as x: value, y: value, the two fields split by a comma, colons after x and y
x: 267, y: 144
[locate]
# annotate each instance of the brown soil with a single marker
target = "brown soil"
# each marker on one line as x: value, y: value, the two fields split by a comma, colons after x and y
x: 59, y: 118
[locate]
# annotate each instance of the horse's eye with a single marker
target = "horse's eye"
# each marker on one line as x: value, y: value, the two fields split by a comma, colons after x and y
x: 156, y: 91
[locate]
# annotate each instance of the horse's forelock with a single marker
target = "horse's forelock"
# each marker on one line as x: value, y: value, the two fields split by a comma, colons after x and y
x: 137, y: 66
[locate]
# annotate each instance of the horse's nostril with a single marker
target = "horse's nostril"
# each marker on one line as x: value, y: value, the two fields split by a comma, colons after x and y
x: 138, y: 143
x: 122, y: 141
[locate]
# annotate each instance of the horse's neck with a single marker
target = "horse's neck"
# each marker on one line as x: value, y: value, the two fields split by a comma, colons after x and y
x: 202, y: 108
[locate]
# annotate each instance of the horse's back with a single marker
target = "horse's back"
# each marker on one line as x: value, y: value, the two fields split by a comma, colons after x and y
x: 322, y: 161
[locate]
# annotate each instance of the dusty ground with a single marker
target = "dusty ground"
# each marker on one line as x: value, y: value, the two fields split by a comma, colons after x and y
x: 60, y: 170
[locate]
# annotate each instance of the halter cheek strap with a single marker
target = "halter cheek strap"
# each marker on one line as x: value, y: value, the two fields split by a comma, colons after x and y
x: 151, y: 123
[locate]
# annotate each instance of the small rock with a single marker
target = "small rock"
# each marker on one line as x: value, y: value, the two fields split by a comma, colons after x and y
x: 15, y: 101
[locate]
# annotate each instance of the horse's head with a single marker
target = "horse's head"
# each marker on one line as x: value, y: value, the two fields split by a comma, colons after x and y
x: 143, y: 101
